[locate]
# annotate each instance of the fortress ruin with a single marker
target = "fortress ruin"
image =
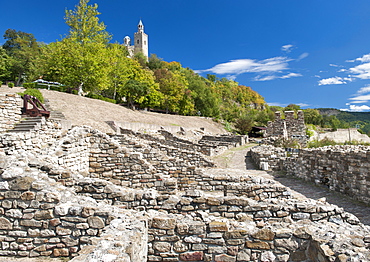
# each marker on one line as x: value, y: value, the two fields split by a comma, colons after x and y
x: 134, y: 196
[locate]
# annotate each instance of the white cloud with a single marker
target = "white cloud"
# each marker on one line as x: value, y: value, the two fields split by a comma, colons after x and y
x: 332, y: 81
x: 277, y: 104
x: 290, y: 75
x: 302, y: 56
x: 364, y: 58
x: 287, y: 48
x: 302, y: 104
x: 361, y: 71
x: 240, y: 66
x: 360, y: 99
x: 364, y: 90
x: 355, y: 108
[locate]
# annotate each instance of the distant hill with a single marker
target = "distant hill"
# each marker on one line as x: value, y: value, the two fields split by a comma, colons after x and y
x: 346, y: 116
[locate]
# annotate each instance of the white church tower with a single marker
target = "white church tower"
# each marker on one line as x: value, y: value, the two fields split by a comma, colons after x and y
x: 141, y: 40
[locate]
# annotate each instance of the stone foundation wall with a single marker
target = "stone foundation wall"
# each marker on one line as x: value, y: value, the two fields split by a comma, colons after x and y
x: 288, y: 128
x: 341, y: 168
x: 10, y: 111
x: 42, y: 218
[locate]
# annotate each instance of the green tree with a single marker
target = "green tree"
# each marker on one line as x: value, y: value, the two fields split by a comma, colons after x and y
x: 312, y: 116
x: 23, y: 50
x: 292, y: 107
x: 4, y: 64
x: 141, y: 88
x: 84, y: 25
x: 244, y: 124
x: 142, y: 59
x: 155, y: 62
x: 81, y: 60
x: 78, y: 66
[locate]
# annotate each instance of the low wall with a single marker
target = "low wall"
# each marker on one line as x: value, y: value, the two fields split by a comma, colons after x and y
x: 10, y: 110
x: 345, y: 169
x: 42, y: 218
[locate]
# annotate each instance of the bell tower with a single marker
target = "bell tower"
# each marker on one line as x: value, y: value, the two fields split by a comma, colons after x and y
x: 141, y: 40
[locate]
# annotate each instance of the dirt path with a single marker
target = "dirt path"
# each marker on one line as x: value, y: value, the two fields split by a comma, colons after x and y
x: 235, y: 161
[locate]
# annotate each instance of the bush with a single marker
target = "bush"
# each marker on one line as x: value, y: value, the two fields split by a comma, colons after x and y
x: 33, y: 92
x: 11, y: 84
x: 321, y: 143
x: 30, y: 85
x: 100, y: 97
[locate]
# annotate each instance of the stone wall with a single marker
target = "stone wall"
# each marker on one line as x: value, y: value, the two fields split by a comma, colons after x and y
x: 341, y: 168
x: 10, y: 110
x: 42, y: 218
x: 288, y: 128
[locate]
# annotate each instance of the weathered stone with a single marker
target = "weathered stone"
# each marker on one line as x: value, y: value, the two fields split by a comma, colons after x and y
x: 264, y: 234
x: 182, y: 229
x: 61, y: 252
x: 44, y: 214
x: 31, y: 223
x: 197, y: 228
x: 68, y: 241
x: 286, y: 243
x: 180, y: 247
x: 95, y: 222
x: 244, y: 256
x: 192, y: 256
x: 257, y: 245
x: 163, y: 223
x: 162, y: 246
x: 5, y: 224
x: 21, y: 183
x: 63, y: 231
x: 224, y: 258
x: 29, y: 195
x: 218, y: 226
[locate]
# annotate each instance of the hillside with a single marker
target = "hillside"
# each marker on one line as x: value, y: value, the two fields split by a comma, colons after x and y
x: 86, y: 111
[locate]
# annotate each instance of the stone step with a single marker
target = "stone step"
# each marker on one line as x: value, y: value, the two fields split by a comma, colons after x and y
x: 27, y: 124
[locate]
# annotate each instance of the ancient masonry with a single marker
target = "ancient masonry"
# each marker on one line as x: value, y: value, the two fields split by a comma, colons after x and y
x: 345, y: 169
x: 288, y: 128
x: 137, y: 197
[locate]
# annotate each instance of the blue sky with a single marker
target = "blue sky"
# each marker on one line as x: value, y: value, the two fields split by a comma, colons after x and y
x: 315, y: 53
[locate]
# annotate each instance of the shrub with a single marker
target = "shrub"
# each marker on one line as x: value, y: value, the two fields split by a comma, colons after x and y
x: 30, y: 85
x: 11, y: 84
x: 321, y: 143
x: 33, y: 92
x: 100, y: 97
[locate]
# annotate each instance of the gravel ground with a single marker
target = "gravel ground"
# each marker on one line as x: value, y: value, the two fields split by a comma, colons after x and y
x: 91, y: 112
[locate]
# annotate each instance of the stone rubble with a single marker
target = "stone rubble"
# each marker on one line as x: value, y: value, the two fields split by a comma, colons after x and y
x: 89, y: 196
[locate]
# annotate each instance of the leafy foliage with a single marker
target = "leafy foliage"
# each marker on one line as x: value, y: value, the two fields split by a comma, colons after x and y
x: 33, y: 92
x: 23, y: 51
x: 86, y: 63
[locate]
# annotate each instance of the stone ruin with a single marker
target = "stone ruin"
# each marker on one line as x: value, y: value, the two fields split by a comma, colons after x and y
x: 136, y: 196
x: 289, y: 128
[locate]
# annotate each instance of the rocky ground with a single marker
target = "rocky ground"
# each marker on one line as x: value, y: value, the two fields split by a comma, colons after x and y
x: 85, y: 111
x: 92, y: 112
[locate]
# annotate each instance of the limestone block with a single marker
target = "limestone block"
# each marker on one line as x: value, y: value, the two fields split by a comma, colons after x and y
x: 44, y: 214
x: 218, y: 226
x: 5, y: 224
x: 192, y: 256
x: 224, y: 258
x: 264, y: 234
x: 163, y: 223
x: 162, y: 247
x: 257, y: 245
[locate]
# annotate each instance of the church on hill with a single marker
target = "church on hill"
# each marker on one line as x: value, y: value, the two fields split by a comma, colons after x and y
x: 140, y: 41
